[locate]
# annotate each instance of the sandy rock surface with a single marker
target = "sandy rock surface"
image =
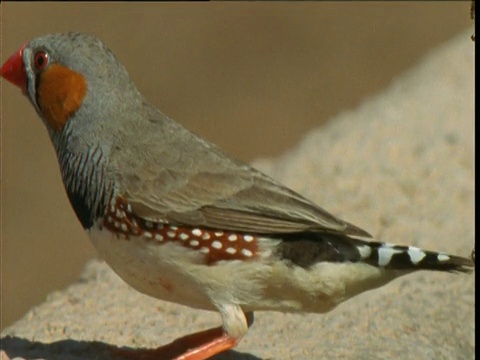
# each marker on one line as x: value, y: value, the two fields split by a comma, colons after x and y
x: 399, y: 166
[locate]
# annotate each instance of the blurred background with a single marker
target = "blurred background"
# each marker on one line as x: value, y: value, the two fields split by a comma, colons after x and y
x: 250, y: 77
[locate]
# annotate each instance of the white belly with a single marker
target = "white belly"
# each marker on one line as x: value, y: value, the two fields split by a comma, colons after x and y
x: 174, y: 273
x: 160, y: 271
x: 177, y: 274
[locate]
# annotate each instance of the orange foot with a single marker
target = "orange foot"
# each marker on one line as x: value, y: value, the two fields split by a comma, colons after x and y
x: 198, y: 346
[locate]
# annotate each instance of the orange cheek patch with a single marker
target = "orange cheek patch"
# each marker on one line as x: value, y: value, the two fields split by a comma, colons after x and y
x: 60, y: 94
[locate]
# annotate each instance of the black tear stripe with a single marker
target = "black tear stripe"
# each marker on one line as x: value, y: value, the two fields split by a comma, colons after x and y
x: 307, y: 249
x: 37, y: 93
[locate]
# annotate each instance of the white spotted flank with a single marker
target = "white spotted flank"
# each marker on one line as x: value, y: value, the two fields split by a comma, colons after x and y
x: 248, y: 238
x: 197, y: 232
x: 231, y: 250
x: 217, y: 245
x: 247, y: 252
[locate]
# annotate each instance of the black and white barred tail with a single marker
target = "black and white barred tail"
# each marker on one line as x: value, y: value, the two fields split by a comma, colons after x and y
x: 307, y: 249
x: 411, y: 258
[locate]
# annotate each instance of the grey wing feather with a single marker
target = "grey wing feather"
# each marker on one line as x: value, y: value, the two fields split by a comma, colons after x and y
x: 192, y: 182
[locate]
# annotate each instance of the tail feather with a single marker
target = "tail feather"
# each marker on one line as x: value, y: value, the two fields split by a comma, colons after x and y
x: 411, y: 258
x: 306, y: 249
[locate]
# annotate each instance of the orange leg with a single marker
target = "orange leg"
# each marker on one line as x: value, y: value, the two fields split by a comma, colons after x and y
x: 214, y: 343
x: 198, y: 346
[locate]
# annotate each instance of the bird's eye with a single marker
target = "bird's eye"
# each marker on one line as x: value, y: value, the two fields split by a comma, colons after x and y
x: 40, y: 60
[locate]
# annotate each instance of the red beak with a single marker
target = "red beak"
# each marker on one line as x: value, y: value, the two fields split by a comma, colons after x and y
x: 14, y: 70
